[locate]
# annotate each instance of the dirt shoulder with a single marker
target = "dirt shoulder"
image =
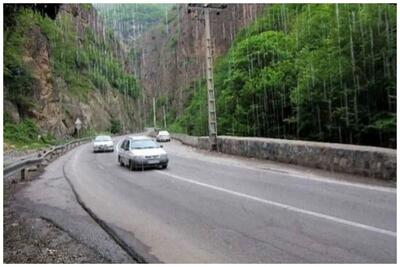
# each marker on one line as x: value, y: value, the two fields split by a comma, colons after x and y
x: 29, y: 238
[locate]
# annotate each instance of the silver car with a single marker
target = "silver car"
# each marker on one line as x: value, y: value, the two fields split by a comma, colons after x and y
x: 139, y: 152
x: 103, y: 143
x: 163, y: 136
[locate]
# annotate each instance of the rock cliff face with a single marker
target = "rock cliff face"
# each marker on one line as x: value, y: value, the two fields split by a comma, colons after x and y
x: 100, y: 107
x: 36, y: 57
x: 166, y: 59
x: 56, y: 108
x: 169, y: 58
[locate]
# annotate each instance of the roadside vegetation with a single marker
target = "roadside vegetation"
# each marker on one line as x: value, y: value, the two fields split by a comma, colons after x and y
x: 86, y: 63
x: 25, y: 135
x: 321, y: 72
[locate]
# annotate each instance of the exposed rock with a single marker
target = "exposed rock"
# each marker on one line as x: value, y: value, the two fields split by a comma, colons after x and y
x: 11, y: 110
x: 168, y: 62
x: 56, y: 109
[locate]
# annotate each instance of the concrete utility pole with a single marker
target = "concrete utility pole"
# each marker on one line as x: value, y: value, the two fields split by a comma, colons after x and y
x: 165, y: 120
x: 212, y: 112
x: 78, y: 125
x: 154, y: 113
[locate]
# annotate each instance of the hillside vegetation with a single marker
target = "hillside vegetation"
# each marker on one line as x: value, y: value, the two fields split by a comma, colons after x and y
x: 84, y: 64
x: 321, y: 72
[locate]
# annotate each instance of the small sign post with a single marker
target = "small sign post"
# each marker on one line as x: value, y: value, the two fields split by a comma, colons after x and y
x: 78, y: 125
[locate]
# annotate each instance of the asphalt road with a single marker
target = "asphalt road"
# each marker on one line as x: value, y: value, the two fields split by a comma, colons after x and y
x: 51, y: 198
x: 207, y: 208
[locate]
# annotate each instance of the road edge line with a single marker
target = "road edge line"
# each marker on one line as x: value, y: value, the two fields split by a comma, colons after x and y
x: 285, y: 206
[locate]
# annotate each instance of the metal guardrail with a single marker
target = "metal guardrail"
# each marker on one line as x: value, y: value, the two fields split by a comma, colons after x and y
x: 24, y: 165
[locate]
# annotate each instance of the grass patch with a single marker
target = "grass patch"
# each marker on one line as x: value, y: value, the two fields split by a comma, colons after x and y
x: 26, y: 135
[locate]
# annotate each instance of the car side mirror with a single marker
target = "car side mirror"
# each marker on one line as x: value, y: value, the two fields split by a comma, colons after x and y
x: 161, y: 146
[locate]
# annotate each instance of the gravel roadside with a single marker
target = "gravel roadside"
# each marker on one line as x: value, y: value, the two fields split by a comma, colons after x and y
x: 29, y: 238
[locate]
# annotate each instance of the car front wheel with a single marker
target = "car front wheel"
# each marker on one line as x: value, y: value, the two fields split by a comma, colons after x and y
x: 131, y: 165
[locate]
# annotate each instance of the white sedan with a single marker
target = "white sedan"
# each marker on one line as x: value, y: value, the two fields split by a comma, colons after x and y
x: 139, y: 152
x: 103, y: 143
x: 163, y: 136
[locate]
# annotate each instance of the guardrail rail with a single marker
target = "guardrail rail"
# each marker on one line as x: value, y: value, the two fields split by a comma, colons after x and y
x: 42, y: 160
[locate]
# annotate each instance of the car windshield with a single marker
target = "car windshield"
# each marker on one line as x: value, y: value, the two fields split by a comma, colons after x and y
x: 144, y: 144
x: 163, y: 133
x: 102, y: 138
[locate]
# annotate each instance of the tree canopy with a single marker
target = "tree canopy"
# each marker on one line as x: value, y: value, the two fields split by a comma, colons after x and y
x: 322, y: 72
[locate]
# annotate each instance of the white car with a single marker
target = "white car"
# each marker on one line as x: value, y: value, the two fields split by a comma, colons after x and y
x: 140, y: 152
x: 103, y: 143
x: 163, y: 136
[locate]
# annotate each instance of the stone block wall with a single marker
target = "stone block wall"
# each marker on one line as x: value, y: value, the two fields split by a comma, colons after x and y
x: 186, y: 139
x: 360, y: 160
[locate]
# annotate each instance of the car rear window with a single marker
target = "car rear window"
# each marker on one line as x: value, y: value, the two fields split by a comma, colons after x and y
x: 103, y: 138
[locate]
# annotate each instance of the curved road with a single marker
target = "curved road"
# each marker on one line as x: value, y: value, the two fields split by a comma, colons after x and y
x: 208, y: 208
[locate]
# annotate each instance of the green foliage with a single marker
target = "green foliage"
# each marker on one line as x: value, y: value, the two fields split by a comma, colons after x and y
x: 26, y: 134
x: 84, y: 66
x: 18, y: 81
x: 116, y: 126
x: 141, y: 13
x: 86, y: 7
x: 324, y: 72
x: 195, y: 117
x: 85, y: 63
x: 173, y: 41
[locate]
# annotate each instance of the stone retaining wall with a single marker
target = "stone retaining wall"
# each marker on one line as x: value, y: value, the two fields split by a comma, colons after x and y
x: 186, y: 139
x: 361, y: 160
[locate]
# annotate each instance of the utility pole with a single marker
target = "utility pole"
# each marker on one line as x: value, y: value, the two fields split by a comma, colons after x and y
x: 154, y: 113
x: 78, y: 125
x: 212, y: 112
x: 165, y: 120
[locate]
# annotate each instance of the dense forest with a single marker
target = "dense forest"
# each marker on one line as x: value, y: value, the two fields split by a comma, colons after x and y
x: 322, y: 72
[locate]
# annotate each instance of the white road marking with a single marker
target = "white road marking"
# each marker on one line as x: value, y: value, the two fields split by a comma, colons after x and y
x: 101, y: 167
x: 283, y: 206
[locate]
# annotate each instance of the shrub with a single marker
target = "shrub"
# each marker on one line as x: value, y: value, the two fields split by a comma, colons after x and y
x: 116, y: 126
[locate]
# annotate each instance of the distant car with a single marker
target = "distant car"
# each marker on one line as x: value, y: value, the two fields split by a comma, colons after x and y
x: 163, y: 136
x: 103, y: 143
x: 139, y: 152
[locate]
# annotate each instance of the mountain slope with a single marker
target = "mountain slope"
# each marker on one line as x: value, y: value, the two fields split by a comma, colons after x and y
x: 62, y: 69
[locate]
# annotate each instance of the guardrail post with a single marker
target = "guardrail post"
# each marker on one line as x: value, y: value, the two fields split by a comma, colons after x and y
x: 23, y: 174
x: 39, y: 167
